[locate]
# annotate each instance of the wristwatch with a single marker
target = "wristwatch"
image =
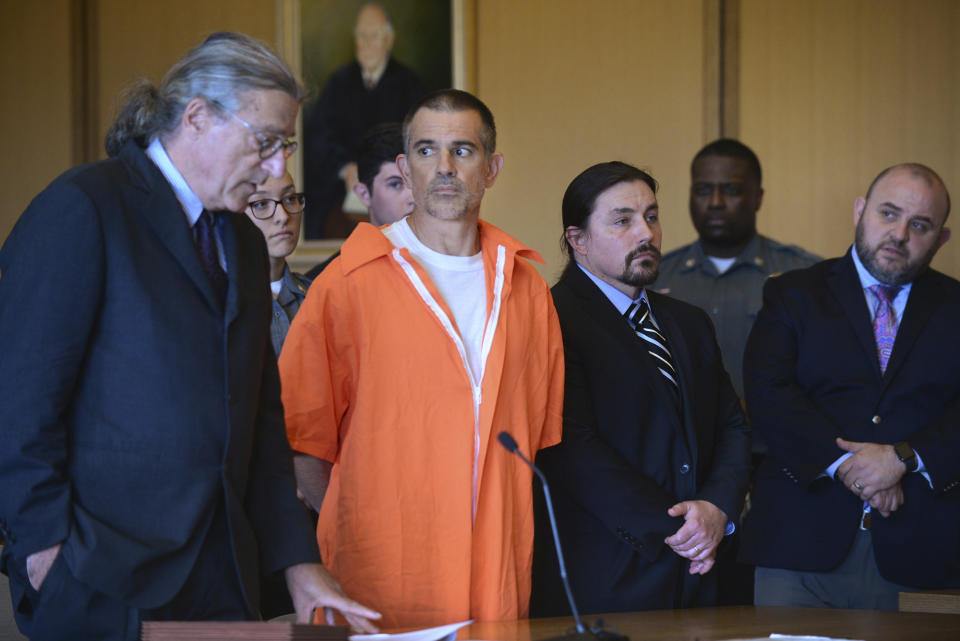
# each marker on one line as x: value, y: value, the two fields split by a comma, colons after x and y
x: 906, y: 455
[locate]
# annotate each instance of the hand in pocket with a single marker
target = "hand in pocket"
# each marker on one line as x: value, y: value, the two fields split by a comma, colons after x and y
x: 38, y: 565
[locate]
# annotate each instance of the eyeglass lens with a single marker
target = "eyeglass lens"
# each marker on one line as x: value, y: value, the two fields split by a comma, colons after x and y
x: 267, y: 207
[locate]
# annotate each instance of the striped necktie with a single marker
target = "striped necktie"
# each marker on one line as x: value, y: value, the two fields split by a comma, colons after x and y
x: 884, y: 322
x: 655, y: 342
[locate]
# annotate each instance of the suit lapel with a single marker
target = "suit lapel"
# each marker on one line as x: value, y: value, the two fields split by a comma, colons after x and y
x: 923, y: 302
x: 163, y: 214
x: 598, y: 307
x: 844, y: 284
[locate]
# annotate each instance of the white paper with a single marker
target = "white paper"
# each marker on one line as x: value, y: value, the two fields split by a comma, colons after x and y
x: 802, y: 637
x: 448, y: 631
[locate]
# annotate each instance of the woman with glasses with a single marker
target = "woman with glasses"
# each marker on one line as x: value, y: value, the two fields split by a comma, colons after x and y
x: 276, y: 208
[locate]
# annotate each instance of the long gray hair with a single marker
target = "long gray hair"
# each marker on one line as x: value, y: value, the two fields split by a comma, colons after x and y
x: 219, y: 70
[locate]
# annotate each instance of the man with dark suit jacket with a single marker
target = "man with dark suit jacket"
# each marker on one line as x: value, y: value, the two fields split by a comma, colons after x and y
x: 145, y: 470
x: 653, y: 466
x: 851, y: 376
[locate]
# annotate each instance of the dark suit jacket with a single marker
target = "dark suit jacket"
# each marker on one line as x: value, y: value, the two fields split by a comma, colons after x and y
x: 626, y: 457
x: 132, y: 405
x: 811, y: 374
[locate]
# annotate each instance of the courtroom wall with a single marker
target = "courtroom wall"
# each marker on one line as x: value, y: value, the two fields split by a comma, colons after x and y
x: 576, y: 83
x: 834, y: 91
x: 35, y: 105
x: 829, y: 92
x: 125, y: 39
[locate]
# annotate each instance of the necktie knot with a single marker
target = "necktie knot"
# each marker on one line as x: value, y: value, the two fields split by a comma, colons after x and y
x: 655, y: 342
x: 637, y: 313
x: 886, y: 293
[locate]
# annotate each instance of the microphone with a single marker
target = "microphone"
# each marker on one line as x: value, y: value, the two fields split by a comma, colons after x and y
x: 511, y: 444
x: 597, y: 632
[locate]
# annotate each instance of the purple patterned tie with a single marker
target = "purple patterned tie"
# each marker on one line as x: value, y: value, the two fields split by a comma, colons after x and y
x: 209, y: 256
x: 884, y: 322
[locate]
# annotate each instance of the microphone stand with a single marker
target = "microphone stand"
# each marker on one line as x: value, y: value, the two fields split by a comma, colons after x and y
x: 582, y: 633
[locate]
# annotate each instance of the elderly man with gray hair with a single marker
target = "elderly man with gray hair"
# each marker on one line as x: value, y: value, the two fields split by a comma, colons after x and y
x: 145, y: 470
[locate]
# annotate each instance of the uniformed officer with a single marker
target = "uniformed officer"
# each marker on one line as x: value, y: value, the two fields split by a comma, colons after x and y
x: 723, y: 271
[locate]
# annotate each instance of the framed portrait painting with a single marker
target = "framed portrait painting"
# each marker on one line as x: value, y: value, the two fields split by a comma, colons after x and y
x: 362, y: 64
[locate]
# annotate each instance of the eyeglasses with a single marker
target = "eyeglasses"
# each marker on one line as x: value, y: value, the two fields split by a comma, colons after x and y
x: 266, y: 207
x: 269, y: 145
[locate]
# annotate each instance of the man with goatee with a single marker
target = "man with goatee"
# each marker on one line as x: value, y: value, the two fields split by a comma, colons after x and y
x: 653, y: 465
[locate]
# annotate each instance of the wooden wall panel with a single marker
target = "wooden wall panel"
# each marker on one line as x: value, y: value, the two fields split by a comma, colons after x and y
x: 573, y: 83
x: 46, y: 87
x: 36, y: 105
x: 832, y: 92
x: 143, y: 38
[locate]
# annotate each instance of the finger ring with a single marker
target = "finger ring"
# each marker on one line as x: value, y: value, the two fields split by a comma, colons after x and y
x: 857, y: 485
x: 696, y: 548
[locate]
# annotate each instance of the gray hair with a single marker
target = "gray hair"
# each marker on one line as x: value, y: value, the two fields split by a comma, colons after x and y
x: 219, y: 70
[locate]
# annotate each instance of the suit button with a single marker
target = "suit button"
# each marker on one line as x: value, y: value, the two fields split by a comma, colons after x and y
x: 684, y: 468
x: 876, y: 419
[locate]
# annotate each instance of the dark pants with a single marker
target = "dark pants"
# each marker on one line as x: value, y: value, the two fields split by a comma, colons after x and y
x: 854, y: 584
x: 67, y: 608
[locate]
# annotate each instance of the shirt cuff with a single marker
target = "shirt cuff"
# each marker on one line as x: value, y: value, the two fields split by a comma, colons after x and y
x: 832, y: 470
x: 922, y: 469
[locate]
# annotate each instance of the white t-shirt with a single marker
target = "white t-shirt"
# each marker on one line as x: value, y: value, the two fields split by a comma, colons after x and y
x: 461, y: 283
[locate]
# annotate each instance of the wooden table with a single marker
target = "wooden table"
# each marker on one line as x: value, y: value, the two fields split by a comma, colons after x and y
x: 737, y: 622
x: 938, y: 601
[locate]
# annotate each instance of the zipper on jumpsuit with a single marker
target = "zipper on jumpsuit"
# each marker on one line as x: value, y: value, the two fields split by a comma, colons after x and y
x: 488, y: 333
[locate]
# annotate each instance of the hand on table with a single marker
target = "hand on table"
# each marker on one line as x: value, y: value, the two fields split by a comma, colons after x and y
x: 312, y: 587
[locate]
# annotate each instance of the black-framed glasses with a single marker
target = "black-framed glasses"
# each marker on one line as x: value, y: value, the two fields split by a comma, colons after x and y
x: 269, y: 145
x: 265, y: 208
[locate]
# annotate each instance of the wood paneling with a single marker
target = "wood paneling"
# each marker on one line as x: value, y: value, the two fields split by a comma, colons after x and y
x: 143, y: 38
x: 574, y: 83
x: 834, y: 91
x: 830, y: 92
x: 36, y: 106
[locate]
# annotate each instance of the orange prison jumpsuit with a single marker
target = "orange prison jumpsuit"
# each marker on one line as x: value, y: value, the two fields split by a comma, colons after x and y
x: 427, y: 518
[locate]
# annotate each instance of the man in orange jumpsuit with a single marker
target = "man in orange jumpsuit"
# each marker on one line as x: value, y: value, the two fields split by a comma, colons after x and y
x: 411, y: 352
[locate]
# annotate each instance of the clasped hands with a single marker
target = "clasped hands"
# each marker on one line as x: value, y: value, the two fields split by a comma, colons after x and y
x: 700, y: 535
x: 873, y: 474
